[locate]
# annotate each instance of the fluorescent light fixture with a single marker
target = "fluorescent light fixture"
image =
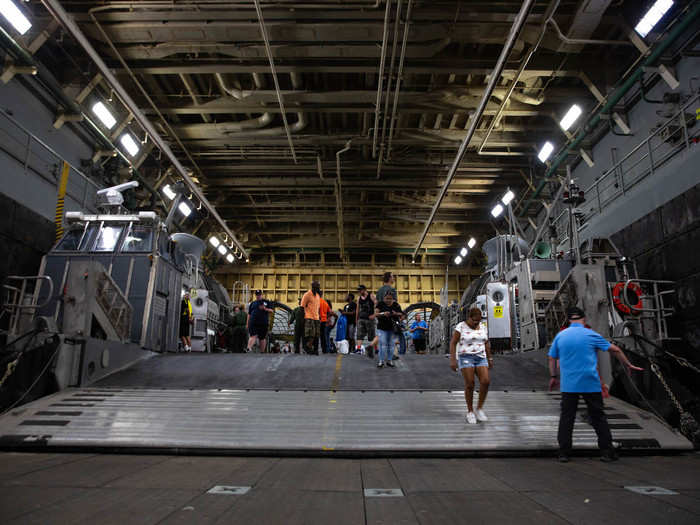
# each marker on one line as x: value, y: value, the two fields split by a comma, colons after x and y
x: 458, y: 260
x: 222, y: 249
x: 169, y: 193
x: 471, y: 243
x: 546, y: 151
x: 649, y: 20
x: 497, y: 210
x: 463, y: 252
x: 507, y: 198
x: 14, y: 16
x: 571, y: 116
x: 104, y: 115
x: 184, y: 209
x: 129, y: 144
x: 214, y: 241
x: 229, y: 257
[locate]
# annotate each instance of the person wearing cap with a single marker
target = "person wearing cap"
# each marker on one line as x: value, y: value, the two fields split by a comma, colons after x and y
x: 575, y: 350
x: 258, y: 321
x: 311, y: 303
x: 365, y: 317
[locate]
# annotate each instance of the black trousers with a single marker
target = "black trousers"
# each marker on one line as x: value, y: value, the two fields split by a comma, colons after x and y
x: 594, y: 402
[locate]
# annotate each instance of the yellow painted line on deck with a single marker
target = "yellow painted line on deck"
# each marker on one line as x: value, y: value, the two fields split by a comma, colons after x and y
x: 336, y: 376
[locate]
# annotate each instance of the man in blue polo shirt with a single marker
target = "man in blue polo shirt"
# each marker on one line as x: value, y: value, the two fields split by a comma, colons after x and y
x: 576, y: 349
x: 418, y: 330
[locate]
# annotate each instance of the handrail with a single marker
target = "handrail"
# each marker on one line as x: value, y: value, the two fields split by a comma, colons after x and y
x: 665, y: 125
x: 47, y: 147
x: 21, y: 291
x: 617, y: 170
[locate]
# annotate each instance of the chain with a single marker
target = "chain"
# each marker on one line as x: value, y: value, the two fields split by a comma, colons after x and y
x: 683, y: 362
x: 8, y: 371
x: 657, y: 371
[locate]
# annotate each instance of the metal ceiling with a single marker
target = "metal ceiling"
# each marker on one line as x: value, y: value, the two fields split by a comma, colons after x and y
x: 265, y: 150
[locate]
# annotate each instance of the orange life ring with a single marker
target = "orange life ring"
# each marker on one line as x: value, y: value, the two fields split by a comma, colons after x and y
x: 636, y: 308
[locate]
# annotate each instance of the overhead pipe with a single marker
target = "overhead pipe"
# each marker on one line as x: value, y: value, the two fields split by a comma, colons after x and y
x: 613, y: 99
x: 388, y: 85
x: 339, y: 198
x: 399, y: 75
x: 584, y: 41
x: 230, y: 127
x: 238, y: 94
x: 380, y: 79
x: 240, y: 128
x: 515, y: 30
x: 548, y: 16
x: 268, y: 50
x: 56, y: 9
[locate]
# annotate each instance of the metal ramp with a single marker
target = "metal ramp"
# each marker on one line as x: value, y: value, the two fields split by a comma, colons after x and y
x: 344, y: 423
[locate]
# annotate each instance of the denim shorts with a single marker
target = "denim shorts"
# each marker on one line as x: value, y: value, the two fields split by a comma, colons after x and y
x: 471, y: 361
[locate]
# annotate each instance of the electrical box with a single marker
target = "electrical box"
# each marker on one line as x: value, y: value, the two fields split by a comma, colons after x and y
x: 498, y: 310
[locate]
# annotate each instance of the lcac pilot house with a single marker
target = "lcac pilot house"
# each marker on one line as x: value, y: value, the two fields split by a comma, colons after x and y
x: 117, y: 283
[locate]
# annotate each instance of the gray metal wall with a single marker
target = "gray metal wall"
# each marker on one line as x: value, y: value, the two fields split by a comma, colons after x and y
x: 30, y: 178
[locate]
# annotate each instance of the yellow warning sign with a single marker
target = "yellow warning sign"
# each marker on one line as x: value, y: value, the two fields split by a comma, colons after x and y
x: 498, y: 312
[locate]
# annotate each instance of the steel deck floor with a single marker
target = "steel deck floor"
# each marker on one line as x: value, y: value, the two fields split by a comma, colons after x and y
x: 525, y: 371
x: 370, y: 423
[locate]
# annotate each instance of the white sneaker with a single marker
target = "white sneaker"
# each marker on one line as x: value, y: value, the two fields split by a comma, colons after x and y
x: 471, y: 418
x: 481, y: 415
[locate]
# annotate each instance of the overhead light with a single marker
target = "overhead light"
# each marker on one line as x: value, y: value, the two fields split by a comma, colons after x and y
x: 497, y: 210
x: 104, y: 115
x: 229, y: 257
x: 649, y: 20
x: 507, y: 198
x: 129, y: 144
x: 168, y: 191
x: 14, y: 16
x: 458, y: 260
x: 214, y: 241
x: 463, y: 252
x: 247, y: 260
x: 472, y: 242
x: 571, y: 116
x: 184, y: 209
x: 546, y: 151
x: 222, y: 249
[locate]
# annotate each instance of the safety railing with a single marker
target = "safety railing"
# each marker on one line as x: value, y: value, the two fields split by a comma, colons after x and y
x: 654, y: 297
x: 20, y: 298
x: 38, y: 158
x: 664, y: 143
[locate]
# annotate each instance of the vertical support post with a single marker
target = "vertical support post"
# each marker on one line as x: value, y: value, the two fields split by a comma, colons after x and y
x: 651, y: 159
x: 60, y: 201
x: 685, y: 129
x: 29, y: 151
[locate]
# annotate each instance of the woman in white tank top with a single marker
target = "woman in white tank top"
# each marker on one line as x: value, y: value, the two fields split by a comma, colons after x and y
x: 471, y: 354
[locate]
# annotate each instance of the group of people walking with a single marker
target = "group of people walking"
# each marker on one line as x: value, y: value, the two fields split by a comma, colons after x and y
x: 376, y: 318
